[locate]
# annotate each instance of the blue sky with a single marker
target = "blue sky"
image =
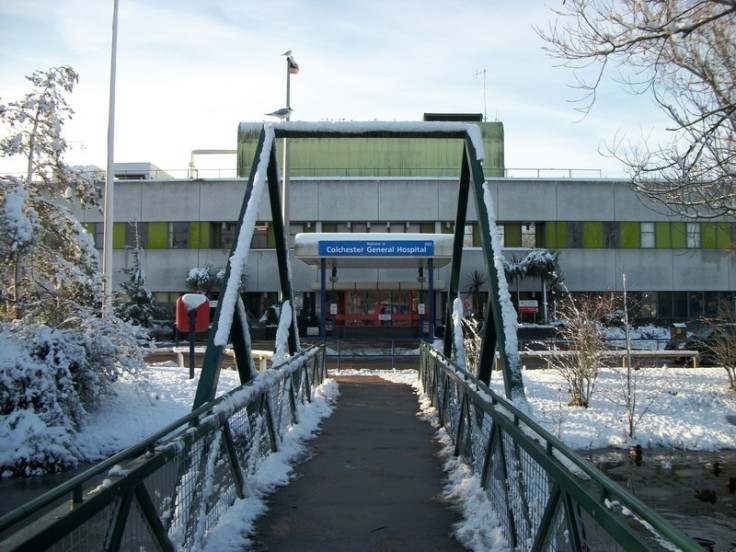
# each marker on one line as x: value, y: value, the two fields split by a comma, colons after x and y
x: 189, y: 71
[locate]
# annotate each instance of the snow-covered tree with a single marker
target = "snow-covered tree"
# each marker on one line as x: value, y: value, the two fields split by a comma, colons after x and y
x: 201, y: 279
x: 135, y: 303
x: 49, y: 262
x: 59, y: 356
x: 682, y: 53
x: 206, y: 279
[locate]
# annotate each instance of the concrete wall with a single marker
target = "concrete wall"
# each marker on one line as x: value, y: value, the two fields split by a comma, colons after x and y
x: 425, y: 200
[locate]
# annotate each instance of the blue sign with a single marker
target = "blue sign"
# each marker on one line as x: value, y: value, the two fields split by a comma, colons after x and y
x: 377, y: 248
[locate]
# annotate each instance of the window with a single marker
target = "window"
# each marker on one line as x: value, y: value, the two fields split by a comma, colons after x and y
x: 299, y: 228
x: 224, y: 234
x: 136, y: 233
x: 528, y: 235
x: 260, y: 236
x: 500, y: 231
x: 647, y: 235
x: 648, y: 302
x: 99, y: 230
x: 361, y: 227
x: 574, y: 234
x: 468, y: 236
x: 179, y: 235
x: 611, y: 235
x: 693, y: 235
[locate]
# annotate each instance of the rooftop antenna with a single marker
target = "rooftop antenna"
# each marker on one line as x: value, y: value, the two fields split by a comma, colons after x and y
x: 485, y: 111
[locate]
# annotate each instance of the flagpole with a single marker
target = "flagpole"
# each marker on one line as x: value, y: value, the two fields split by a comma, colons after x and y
x: 110, y: 177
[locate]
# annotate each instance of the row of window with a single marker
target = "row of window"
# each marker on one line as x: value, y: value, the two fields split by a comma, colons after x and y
x: 549, y: 235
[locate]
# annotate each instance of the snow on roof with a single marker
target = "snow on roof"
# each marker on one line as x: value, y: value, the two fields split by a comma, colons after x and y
x: 397, y: 127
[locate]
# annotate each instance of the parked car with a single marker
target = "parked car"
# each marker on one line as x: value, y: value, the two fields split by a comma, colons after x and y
x: 705, y: 340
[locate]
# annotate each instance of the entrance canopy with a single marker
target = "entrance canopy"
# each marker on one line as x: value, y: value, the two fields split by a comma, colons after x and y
x: 373, y: 250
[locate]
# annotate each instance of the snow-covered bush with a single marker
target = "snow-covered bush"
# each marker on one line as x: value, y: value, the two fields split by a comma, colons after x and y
x: 58, y: 354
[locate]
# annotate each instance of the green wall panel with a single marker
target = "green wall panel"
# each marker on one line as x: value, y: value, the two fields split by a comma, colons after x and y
x: 679, y: 235
x: 376, y: 156
x: 118, y: 235
x: 630, y: 235
x: 158, y: 235
x: 708, y: 237
x: 663, y: 235
x: 593, y: 234
x: 199, y: 235
x: 723, y: 235
x: 512, y: 234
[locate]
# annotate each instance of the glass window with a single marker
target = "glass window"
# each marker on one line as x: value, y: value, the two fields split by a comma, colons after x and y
x: 179, y: 235
x: 501, y: 232
x: 528, y: 234
x: 361, y: 227
x: 343, y: 227
x: 648, y: 304
x: 136, y: 228
x: 413, y: 227
x: 574, y: 234
x: 693, y: 235
x: 611, y: 235
x: 665, y: 301
x: 260, y: 236
x: 99, y: 234
x: 647, y: 235
x: 468, y: 236
x: 680, y: 302
x: 695, y: 304
x: 226, y: 235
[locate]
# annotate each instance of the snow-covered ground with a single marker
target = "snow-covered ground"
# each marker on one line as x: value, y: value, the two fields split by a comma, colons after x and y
x: 685, y: 408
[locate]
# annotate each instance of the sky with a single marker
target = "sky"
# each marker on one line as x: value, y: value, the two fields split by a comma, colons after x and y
x: 189, y: 71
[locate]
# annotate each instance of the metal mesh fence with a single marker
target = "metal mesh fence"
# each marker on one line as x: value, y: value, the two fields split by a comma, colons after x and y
x: 166, y: 493
x: 545, y: 496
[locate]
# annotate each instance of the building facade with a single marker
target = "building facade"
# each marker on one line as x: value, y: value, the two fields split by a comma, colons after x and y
x: 676, y: 269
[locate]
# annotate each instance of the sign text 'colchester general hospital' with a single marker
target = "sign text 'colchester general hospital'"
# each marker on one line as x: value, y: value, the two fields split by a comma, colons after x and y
x: 378, y: 248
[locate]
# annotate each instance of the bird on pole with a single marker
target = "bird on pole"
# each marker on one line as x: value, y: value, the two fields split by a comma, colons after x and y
x: 283, y: 113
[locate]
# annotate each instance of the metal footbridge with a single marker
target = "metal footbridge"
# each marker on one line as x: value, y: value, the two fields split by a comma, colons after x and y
x: 169, y: 491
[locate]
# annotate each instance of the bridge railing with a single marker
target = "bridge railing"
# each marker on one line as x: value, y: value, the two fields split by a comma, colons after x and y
x: 166, y: 492
x: 547, y: 497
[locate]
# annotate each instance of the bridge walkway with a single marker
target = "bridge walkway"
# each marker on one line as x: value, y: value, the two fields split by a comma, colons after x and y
x: 373, y: 483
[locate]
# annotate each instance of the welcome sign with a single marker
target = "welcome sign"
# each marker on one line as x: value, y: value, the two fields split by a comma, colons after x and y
x: 376, y: 248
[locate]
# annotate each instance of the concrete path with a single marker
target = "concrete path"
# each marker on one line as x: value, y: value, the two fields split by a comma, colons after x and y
x: 372, y: 484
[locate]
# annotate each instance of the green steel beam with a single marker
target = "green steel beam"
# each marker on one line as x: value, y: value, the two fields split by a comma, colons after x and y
x: 282, y: 245
x: 210, y: 374
x: 457, y: 252
x: 512, y: 380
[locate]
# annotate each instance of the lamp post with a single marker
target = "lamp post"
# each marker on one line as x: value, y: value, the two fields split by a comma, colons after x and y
x: 107, y: 224
x: 291, y: 69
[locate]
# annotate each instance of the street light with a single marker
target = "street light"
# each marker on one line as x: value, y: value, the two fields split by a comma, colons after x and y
x: 291, y: 69
x: 109, y: 209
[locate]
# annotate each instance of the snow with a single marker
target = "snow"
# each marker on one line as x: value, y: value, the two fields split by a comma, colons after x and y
x: 193, y: 300
x: 457, y: 332
x: 686, y: 411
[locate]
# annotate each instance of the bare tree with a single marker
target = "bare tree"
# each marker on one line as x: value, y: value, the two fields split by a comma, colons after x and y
x: 720, y: 345
x: 683, y: 53
x: 583, y: 333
